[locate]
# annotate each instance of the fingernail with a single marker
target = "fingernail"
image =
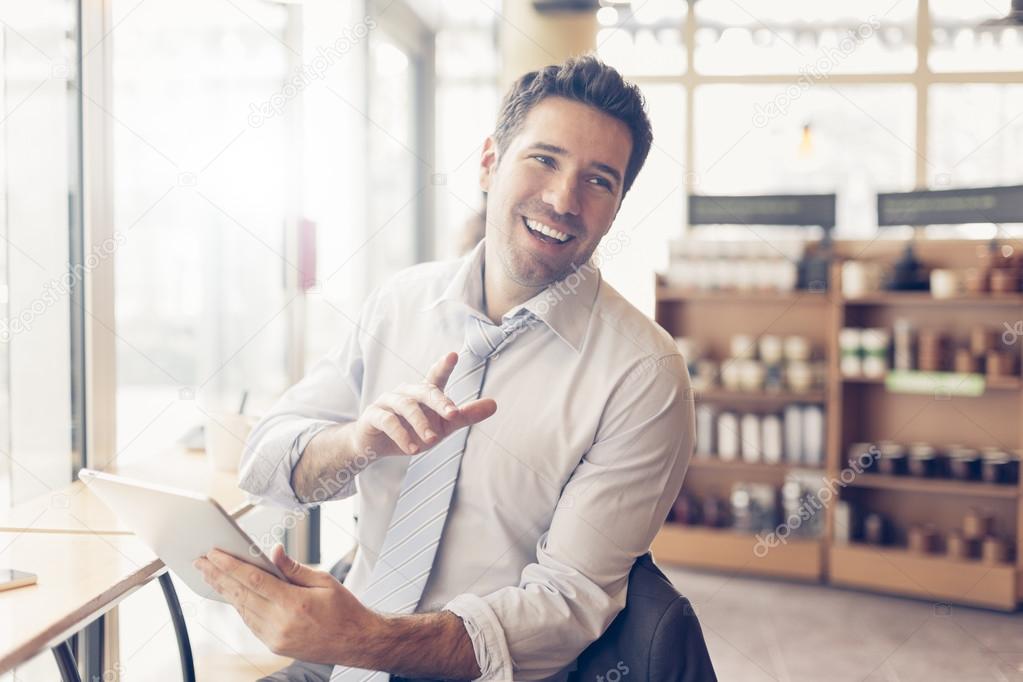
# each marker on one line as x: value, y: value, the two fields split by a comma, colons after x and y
x: 451, y: 411
x: 430, y: 435
x: 412, y: 448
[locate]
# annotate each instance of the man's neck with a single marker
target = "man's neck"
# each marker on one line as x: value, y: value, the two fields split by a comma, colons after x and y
x: 501, y: 293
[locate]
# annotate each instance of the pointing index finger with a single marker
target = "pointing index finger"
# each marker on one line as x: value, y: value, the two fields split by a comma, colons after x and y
x: 441, y: 370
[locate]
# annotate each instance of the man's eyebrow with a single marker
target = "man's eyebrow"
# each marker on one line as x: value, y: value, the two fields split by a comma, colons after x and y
x: 548, y: 147
x: 555, y: 149
x: 610, y: 170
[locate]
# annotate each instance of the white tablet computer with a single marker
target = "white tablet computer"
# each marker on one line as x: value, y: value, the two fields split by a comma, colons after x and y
x: 179, y: 526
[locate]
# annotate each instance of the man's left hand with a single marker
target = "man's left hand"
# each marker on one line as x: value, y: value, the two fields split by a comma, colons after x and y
x: 312, y: 617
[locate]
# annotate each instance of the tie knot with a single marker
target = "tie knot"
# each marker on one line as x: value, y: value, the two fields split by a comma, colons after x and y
x: 483, y: 338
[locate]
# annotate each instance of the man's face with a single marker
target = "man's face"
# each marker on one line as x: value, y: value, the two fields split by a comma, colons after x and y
x: 562, y: 174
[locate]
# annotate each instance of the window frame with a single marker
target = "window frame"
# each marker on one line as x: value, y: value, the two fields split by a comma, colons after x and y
x: 921, y: 78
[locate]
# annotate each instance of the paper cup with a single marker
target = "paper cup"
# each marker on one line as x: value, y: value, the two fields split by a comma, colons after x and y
x: 226, y: 433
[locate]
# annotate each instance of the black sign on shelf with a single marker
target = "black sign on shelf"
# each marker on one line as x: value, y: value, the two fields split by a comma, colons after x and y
x: 769, y: 209
x: 951, y: 206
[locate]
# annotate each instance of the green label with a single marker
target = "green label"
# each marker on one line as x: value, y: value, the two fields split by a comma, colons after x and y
x: 936, y: 383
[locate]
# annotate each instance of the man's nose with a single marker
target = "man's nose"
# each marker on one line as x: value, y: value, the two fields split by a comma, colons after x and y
x: 562, y: 196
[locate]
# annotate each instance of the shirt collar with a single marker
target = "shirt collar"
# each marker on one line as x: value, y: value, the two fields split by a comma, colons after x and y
x: 565, y: 306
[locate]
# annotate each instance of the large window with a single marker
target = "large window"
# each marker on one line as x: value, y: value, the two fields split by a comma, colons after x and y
x: 805, y: 96
x: 466, y: 105
x: 39, y: 216
x: 202, y: 176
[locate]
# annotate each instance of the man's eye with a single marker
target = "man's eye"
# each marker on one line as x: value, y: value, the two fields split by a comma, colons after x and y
x: 601, y: 182
x: 545, y: 160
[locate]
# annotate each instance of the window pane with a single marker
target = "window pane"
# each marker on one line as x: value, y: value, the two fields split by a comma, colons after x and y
x: 644, y: 38
x: 855, y: 141
x: 465, y: 116
x: 465, y: 13
x: 652, y: 211
x: 808, y: 37
x: 393, y: 158
x: 466, y: 53
x: 201, y: 171
x: 976, y: 134
x: 966, y: 36
x: 38, y: 155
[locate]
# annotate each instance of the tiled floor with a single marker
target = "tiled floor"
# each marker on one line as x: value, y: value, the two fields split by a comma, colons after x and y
x: 773, y: 630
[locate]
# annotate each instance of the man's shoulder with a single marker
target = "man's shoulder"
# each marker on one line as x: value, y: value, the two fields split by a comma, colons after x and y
x: 421, y: 283
x: 627, y: 327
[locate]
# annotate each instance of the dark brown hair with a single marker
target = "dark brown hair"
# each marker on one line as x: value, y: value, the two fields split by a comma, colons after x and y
x: 583, y: 79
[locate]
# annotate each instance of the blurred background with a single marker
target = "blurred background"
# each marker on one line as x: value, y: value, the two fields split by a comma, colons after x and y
x: 234, y: 176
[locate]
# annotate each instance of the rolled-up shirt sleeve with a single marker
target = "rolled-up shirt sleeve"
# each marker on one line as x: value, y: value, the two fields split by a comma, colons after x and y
x: 609, y: 511
x: 328, y: 395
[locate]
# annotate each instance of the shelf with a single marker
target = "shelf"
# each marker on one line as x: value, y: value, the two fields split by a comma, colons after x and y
x: 924, y: 298
x: 715, y: 464
x: 862, y: 380
x: 938, y: 486
x: 717, y: 549
x: 932, y: 577
x: 1004, y: 383
x: 990, y: 384
x: 669, y: 293
x: 760, y: 397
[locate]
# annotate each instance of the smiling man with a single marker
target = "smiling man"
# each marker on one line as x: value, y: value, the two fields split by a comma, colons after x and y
x: 505, y: 490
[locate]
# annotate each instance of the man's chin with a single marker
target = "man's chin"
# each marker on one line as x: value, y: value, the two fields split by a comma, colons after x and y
x: 526, y: 269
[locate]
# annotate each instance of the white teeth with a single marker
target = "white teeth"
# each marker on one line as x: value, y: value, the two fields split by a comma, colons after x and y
x: 549, y: 231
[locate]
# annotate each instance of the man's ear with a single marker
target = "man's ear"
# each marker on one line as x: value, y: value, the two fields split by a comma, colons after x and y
x: 488, y: 163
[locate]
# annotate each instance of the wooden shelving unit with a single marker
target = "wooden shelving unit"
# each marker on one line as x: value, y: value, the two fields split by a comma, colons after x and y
x: 935, y: 486
x: 739, y: 465
x: 713, y: 316
x: 722, y: 395
x: 668, y: 293
x: 936, y: 579
x: 712, y: 548
x: 923, y: 298
x: 992, y: 384
x: 862, y: 410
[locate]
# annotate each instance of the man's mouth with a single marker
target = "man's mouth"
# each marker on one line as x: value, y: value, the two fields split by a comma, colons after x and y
x: 545, y: 233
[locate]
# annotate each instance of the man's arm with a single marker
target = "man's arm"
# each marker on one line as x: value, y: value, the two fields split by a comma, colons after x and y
x: 401, y: 641
x: 327, y: 397
x: 327, y: 465
x: 315, y: 618
x: 610, y: 509
x: 406, y: 421
x: 314, y: 441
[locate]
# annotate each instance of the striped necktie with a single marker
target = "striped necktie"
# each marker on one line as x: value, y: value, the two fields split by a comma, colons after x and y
x: 403, y: 565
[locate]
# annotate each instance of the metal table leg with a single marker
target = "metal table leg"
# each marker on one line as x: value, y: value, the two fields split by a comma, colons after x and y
x: 180, y: 629
x: 66, y: 663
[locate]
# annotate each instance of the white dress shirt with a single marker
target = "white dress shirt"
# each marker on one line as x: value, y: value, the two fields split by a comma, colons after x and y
x: 558, y: 492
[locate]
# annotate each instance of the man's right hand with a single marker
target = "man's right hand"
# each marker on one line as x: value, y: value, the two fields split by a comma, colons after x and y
x: 415, y: 417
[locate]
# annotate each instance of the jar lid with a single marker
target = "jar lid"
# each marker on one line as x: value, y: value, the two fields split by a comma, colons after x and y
x: 922, y: 450
x: 996, y: 453
x: 889, y: 449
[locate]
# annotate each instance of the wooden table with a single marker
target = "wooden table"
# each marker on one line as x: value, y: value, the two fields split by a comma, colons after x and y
x: 80, y: 577
x: 87, y: 561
